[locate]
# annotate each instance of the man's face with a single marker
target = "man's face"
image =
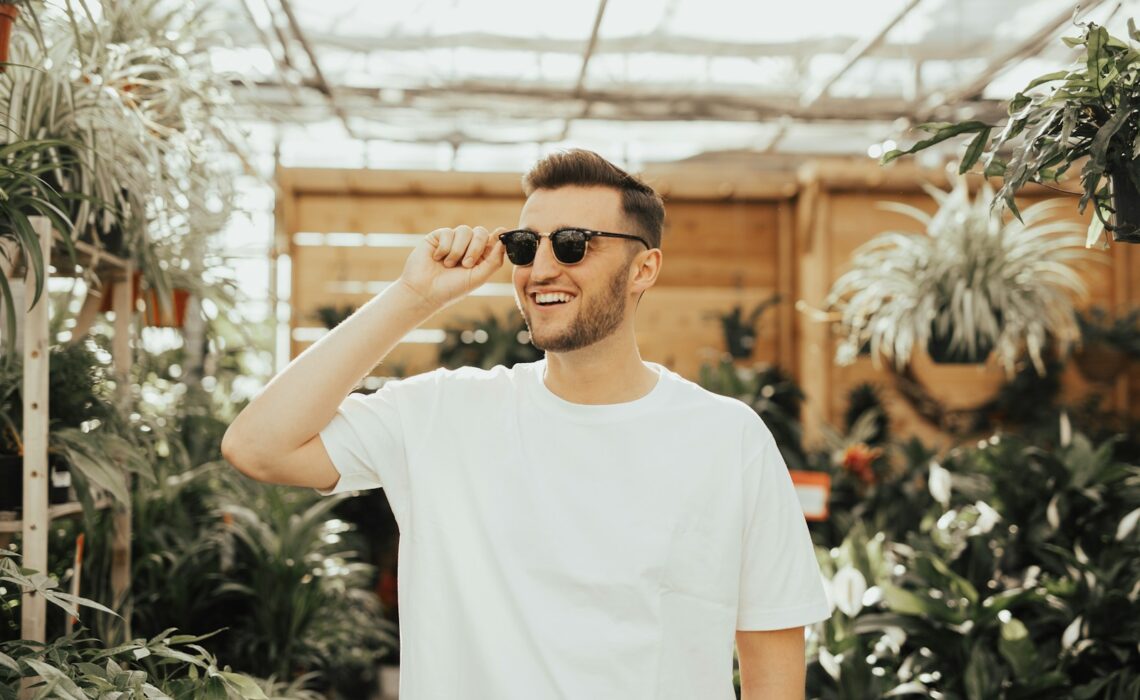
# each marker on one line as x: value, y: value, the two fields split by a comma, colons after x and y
x: 598, y: 284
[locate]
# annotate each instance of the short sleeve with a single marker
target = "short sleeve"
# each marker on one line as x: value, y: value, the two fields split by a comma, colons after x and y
x: 780, y: 581
x: 367, y: 439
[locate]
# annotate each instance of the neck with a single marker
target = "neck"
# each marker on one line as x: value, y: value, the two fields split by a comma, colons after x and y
x: 607, y: 372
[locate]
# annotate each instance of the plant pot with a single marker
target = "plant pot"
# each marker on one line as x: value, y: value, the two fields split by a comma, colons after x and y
x: 8, y: 14
x: 174, y: 317
x: 12, y: 476
x: 1126, y: 201
x: 940, y: 351
x: 1100, y: 362
x: 958, y: 385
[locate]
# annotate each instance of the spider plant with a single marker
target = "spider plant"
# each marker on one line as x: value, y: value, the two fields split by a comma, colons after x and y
x: 142, y: 154
x: 969, y: 284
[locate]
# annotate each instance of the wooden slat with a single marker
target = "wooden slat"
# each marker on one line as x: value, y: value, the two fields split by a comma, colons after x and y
x: 326, y: 213
x: 37, y: 344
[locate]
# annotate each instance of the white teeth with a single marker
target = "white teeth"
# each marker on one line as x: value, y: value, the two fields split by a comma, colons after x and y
x: 552, y: 297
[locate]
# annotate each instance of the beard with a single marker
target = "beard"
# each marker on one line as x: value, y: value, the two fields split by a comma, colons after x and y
x: 597, y: 318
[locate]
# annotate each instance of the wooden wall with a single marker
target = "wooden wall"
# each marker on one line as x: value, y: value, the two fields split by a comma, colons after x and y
x: 731, y: 238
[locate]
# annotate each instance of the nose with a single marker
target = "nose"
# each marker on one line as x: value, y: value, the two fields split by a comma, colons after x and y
x: 545, y: 265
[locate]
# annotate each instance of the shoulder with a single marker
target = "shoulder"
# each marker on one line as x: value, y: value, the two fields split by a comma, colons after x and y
x: 689, y: 395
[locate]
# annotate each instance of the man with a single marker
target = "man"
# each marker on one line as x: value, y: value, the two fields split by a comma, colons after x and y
x: 588, y: 526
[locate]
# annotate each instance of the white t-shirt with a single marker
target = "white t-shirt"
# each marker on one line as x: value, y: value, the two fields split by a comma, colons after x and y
x: 556, y: 550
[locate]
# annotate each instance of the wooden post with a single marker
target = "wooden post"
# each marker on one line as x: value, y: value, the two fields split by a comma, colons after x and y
x: 786, y: 284
x: 123, y: 304
x: 813, y: 281
x: 36, y: 345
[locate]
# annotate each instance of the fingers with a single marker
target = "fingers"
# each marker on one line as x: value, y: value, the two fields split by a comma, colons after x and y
x: 462, y: 245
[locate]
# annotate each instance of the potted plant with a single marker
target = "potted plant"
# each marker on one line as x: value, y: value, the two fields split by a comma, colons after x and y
x: 971, y: 284
x: 740, y: 332
x: 1091, y: 111
x: 1107, y: 343
x: 86, y: 441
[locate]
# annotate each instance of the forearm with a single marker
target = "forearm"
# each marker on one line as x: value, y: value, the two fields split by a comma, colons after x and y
x: 300, y: 401
x: 772, y: 664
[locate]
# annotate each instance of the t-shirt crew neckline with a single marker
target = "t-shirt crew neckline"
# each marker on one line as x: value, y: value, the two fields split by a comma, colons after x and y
x: 595, y: 413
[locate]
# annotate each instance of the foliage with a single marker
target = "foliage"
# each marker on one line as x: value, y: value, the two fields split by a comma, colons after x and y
x: 1090, y: 112
x: 85, y: 426
x: 75, y: 666
x: 25, y: 193
x: 969, y: 284
x: 1021, y: 582
x: 118, y: 111
x: 488, y: 342
x: 1121, y: 331
x: 740, y: 332
x: 861, y: 399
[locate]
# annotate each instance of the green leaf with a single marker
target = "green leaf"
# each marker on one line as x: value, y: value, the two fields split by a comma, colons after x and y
x: 974, y: 150
x: 1047, y: 78
x: 245, y: 685
x: 1017, y: 648
x: 942, y: 132
x: 980, y: 671
x: 900, y: 600
x: 9, y: 662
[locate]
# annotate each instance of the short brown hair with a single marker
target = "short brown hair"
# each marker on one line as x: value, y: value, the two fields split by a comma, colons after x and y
x: 640, y: 203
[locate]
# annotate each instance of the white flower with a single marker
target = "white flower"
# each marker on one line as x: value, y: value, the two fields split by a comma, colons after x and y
x: 939, y: 483
x: 987, y: 518
x: 847, y: 589
x: 829, y: 663
x: 1072, y: 633
x: 1127, y: 524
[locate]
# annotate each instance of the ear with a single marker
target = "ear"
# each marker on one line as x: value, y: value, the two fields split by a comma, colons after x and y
x: 644, y: 269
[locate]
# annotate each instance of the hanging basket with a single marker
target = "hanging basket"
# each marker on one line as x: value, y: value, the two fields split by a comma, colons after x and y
x: 8, y: 14
x: 1099, y: 362
x: 1126, y: 201
x: 959, y: 385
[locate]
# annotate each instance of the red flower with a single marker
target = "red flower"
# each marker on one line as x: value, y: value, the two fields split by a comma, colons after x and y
x: 859, y: 458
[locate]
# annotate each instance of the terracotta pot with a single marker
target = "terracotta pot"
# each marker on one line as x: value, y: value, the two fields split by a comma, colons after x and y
x: 958, y: 385
x: 1100, y: 362
x: 8, y: 14
x: 155, y: 315
x: 1126, y: 201
x: 174, y: 317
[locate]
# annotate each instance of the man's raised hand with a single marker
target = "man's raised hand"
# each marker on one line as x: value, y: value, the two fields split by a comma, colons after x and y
x: 450, y: 263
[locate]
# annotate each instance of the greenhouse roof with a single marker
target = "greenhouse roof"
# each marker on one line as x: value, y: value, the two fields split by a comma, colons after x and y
x: 489, y: 84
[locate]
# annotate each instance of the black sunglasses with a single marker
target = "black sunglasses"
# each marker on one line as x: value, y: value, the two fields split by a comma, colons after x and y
x: 569, y: 244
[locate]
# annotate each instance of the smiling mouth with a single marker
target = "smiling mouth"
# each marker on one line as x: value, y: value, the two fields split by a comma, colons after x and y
x: 553, y: 303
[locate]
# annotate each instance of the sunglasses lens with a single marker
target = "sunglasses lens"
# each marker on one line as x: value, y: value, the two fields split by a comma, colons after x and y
x: 521, y: 247
x: 569, y: 245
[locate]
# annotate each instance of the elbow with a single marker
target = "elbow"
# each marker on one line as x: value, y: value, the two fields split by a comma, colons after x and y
x: 235, y: 451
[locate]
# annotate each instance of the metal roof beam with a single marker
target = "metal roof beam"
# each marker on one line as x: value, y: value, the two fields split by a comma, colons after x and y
x: 852, y: 56
x: 1022, y: 50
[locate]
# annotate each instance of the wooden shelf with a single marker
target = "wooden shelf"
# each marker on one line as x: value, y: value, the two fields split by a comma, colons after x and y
x: 87, y: 256
x: 58, y: 511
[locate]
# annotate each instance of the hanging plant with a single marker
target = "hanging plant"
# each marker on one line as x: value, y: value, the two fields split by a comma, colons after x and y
x: 969, y: 284
x: 1091, y: 111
